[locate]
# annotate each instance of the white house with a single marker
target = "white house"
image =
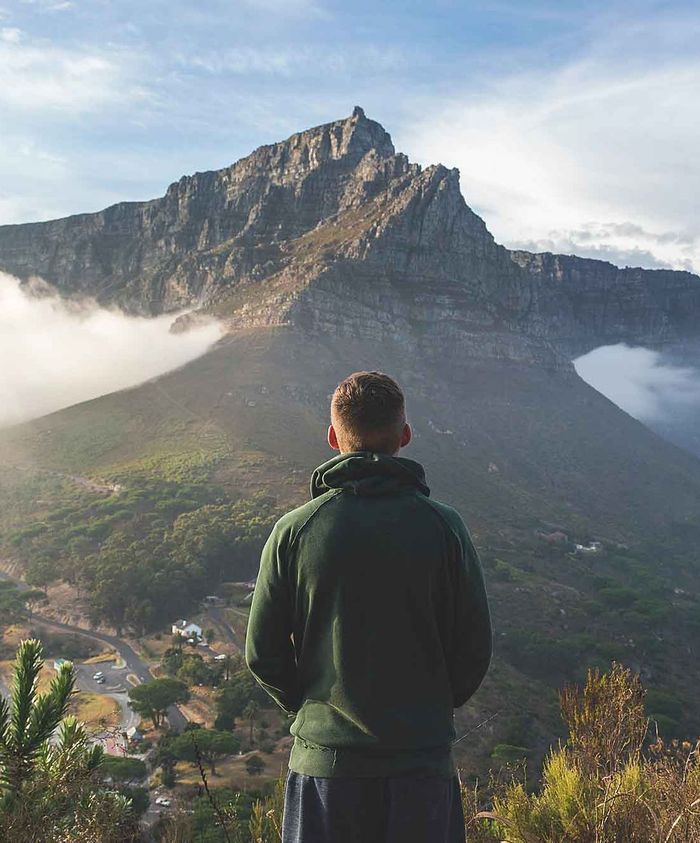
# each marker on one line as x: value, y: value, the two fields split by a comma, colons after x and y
x: 187, y: 629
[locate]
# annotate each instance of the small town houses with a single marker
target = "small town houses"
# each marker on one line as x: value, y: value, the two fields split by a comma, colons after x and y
x: 188, y: 630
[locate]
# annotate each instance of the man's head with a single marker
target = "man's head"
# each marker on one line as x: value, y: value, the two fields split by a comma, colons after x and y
x: 368, y: 414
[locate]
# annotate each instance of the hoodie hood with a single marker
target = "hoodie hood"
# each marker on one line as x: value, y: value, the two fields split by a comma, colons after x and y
x: 367, y: 473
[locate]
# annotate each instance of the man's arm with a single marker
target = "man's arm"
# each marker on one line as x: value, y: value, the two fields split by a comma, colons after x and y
x: 269, y: 651
x: 472, y: 638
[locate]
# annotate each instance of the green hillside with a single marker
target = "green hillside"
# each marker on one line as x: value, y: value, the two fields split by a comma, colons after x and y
x: 146, y: 499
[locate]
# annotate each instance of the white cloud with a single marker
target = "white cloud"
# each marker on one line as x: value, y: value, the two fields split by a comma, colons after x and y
x: 273, y: 61
x: 565, y: 243
x: 609, y: 137
x: 55, y: 353
x: 51, y: 5
x: 640, y: 381
x: 38, y: 76
x: 10, y: 34
x: 304, y: 8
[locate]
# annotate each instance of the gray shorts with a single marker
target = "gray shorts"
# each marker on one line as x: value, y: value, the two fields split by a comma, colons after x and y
x: 372, y: 810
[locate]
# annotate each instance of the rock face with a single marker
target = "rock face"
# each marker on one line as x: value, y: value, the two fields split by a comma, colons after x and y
x: 592, y: 302
x: 334, y: 231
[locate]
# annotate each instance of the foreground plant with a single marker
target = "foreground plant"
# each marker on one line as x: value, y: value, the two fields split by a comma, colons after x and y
x: 601, y: 786
x: 49, y: 787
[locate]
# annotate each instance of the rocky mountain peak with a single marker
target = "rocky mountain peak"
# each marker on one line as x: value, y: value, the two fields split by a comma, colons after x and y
x: 333, y: 230
x: 341, y: 144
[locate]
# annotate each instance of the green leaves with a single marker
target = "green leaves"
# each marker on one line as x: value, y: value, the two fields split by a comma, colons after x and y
x: 144, y: 555
x: 207, y: 744
x: 29, y: 719
x: 152, y: 699
x: 48, y: 763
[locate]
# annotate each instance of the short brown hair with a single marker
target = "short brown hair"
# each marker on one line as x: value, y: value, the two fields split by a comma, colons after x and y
x: 368, y: 413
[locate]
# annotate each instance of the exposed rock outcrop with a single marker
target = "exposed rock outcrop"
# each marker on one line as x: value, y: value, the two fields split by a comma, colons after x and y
x: 591, y: 302
x: 336, y: 232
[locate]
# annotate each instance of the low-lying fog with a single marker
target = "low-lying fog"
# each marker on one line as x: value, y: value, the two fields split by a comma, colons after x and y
x: 659, y: 389
x: 644, y: 383
x: 55, y: 353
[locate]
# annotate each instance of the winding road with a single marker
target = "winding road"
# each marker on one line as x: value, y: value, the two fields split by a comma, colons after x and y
x: 134, y: 663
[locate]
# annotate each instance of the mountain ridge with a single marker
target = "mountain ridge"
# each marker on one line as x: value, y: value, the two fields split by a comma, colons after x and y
x: 273, y: 237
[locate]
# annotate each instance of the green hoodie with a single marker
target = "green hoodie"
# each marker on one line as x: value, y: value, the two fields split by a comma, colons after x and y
x: 369, y: 622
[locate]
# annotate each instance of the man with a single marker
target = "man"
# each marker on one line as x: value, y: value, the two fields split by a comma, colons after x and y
x: 369, y: 625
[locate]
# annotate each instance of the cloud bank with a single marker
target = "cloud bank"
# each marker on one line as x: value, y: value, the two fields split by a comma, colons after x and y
x: 593, y: 156
x: 55, y: 353
x: 641, y: 382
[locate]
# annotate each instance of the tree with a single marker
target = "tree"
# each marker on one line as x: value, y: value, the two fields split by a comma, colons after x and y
x: 227, y: 667
x: 224, y: 668
x: 237, y: 693
x: 13, y: 601
x: 222, y: 540
x: 171, y: 660
x: 29, y: 719
x: 189, y: 667
x: 207, y: 744
x: 123, y: 768
x: 48, y: 765
x: 250, y: 712
x: 225, y: 722
x: 194, y: 670
x: 254, y: 765
x: 152, y: 699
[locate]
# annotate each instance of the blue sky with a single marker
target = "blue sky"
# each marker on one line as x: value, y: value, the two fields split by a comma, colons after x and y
x: 575, y: 125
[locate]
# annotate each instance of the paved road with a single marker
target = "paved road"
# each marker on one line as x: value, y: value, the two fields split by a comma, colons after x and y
x: 116, y: 688
x: 134, y: 664
x: 217, y: 615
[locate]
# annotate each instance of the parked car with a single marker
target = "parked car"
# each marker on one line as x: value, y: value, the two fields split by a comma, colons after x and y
x: 98, y: 675
x: 100, y: 680
x: 161, y: 800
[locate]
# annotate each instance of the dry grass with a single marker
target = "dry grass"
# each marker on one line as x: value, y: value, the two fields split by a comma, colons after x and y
x: 201, y: 707
x: 13, y: 634
x: 44, y: 679
x: 95, y: 710
x: 237, y: 618
x: 100, y: 658
x: 232, y: 773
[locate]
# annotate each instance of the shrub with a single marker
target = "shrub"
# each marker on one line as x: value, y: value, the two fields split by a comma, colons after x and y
x: 601, y: 785
x: 122, y: 768
x: 255, y: 765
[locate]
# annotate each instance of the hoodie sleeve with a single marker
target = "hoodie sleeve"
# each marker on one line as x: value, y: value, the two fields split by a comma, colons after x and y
x: 269, y: 650
x: 472, y: 636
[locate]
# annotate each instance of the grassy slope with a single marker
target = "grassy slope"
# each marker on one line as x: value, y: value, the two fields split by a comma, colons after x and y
x: 526, y: 449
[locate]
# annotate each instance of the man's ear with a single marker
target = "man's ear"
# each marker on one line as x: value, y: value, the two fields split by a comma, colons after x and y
x: 332, y: 438
x: 406, y: 435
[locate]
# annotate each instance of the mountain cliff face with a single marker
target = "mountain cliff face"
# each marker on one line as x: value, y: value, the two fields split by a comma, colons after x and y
x: 592, y: 302
x: 334, y: 231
